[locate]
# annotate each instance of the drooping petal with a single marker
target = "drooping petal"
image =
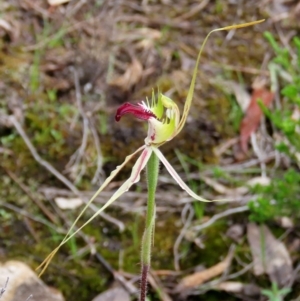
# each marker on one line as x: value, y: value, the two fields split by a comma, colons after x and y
x: 135, y: 176
x: 177, y: 178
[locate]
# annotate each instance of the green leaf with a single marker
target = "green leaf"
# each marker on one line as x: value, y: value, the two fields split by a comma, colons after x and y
x: 290, y: 91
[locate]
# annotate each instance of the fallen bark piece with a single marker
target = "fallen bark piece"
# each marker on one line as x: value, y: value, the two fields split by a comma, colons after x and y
x: 131, y: 77
x: 270, y: 255
x: 23, y: 282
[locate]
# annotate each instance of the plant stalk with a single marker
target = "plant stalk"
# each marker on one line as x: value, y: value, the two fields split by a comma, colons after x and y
x: 152, y: 176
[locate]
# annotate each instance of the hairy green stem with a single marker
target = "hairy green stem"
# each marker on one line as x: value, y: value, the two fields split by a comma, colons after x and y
x: 152, y: 176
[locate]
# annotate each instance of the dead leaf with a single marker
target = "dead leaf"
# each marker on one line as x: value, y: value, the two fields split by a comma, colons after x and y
x: 5, y: 25
x: 64, y: 203
x: 196, y: 279
x: 253, y: 115
x: 131, y: 77
x: 270, y: 256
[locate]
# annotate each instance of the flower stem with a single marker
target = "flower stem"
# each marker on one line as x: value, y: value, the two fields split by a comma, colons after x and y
x: 152, y: 175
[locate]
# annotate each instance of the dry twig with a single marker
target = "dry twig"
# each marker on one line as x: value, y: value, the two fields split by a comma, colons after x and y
x: 225, y: 213
x: 187, y: 223
x: 35, y: 198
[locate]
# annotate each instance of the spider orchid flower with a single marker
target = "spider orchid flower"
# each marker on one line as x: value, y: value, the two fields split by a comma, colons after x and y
x: 164, y: 123
x: 163, y: 118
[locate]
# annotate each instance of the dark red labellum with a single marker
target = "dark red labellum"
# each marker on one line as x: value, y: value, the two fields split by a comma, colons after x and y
x: 137, y: 110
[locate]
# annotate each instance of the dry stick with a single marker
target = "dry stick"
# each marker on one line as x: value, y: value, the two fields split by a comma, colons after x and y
x: 34, y: 218
x: 236, y: 168
x: 156, y: 284
x: 168, y: 202
x: 181, y: 235
x: 38, y: 9
x: 89, y: 123
x: 117, y: 275
x: 241, y: 272
x: 34, y: 198
x: 79, y: 153
x: 193, y: 11
x: 260, y: 155
x: 72, y: 10
x: 56, y: 173
x: 98, y: 171
x: 221, y: 215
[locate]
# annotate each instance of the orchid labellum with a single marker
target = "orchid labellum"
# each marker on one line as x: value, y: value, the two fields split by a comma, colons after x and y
x: 164, y: 123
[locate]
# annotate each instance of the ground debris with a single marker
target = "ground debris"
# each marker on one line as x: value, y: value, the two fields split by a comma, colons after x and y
x: 270, y: 255
x: 239, y: 287
x: 71, y: 203
x: 235, y: 232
